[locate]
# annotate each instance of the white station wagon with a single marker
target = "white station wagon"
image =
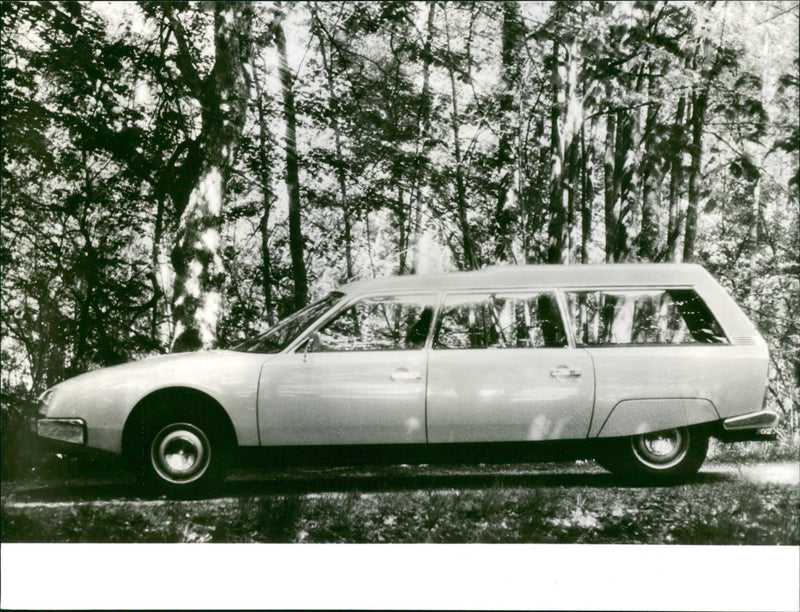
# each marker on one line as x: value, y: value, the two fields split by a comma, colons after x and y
x: 635, y: 365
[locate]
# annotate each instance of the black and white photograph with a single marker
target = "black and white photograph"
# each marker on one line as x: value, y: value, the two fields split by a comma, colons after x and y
x: 369, y: 273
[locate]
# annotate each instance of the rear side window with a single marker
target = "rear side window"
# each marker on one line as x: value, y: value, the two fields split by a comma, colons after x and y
x: 660, y: 316
x: 500, y: 320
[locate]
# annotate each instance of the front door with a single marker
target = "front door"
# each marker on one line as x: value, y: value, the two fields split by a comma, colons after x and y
x: 501, y: 370
x: 359, y: 380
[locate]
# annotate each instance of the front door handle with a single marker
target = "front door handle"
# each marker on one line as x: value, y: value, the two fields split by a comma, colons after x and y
x: 404, y: 375
x: 565, y: 372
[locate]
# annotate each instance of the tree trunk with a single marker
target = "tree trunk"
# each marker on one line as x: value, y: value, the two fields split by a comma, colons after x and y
x: 652, y: 173
x: 155, y: 262
x: 572, y: 177
x: 587, y: 194
x: 470, y: 258
x: 675, y: 182
x: 292, y: 175
x: 265, y: 178
x: 557, y: 229
x: 402, y: 235
x: 506, y: 162
x: 699, y: 101
x: 424, y: 128
x: 620, y: 181
x: 341, y: 175
x: 648, y: 236
x: 223, y: 97
x: 625, y: 176
x: 610, y: 186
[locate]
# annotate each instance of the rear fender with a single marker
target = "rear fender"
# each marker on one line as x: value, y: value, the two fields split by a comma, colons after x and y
x: 639, y: 416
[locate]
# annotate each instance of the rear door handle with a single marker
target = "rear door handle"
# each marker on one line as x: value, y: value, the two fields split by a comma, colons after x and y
x: 404, y: 375
x: 565, y: 372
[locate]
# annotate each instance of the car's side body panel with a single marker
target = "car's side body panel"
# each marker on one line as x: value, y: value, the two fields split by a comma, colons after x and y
x: 343, y: 398
x: 105, y: 398
x: 493, y: 395
x: 647, y: 415
x: 702, y: 382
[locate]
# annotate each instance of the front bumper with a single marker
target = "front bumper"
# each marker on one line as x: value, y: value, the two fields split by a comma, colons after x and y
x: 71, y: 431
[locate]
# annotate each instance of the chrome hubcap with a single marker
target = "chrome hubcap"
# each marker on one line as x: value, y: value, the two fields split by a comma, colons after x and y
x: 661, y: 450
x: 180, y: 453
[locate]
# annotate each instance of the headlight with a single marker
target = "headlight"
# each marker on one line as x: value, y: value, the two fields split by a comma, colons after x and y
x: 45, y: 399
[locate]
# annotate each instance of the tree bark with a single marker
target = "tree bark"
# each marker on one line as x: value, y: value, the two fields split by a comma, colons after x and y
x: 341, y: 175
x: 402, y: 233
x: 557, y: 228
x: 223, y: 96
x: 506, y: 160
x: 470, y: 258
x: 265, y: 178
x: 292, y: 173
x: 699, y: 101
x: 610, y: 186
x: 675, y: 181
x: 424, y: 128
x: 566, y: 118
x: 587, y: 194
x: 652, y: 173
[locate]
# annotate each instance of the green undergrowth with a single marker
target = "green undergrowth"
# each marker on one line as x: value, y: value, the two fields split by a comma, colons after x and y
x: 786, y: 448
x: 698, y: 513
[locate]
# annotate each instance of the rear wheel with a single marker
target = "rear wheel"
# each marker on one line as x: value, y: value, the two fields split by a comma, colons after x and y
x: 182, y: 453
x: 662, y: 456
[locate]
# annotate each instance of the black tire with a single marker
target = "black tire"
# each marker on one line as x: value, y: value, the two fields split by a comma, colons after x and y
x: 662, y: 457
x: 182, y: 452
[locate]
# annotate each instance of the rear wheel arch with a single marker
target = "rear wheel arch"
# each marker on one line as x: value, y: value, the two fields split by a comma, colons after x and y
x: 664, y: 457
x: 639, y: 416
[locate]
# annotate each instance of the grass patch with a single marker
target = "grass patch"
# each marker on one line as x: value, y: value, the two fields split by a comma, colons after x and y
x: 786, y: 448
x: 730, y: 512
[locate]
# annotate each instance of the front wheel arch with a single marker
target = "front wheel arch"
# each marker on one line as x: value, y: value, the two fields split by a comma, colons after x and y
x: 182, y: 402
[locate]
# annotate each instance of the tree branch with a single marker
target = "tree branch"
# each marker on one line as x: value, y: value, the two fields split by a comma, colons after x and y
x: 184, y: 58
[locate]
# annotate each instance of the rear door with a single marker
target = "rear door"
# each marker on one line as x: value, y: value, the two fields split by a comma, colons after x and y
x: 501, y: 369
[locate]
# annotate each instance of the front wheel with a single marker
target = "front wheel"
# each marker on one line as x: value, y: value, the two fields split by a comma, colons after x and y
x: 664, y: 456
x: 182, y: 454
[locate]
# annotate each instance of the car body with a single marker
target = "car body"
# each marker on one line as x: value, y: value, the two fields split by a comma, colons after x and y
x: 633, y: 364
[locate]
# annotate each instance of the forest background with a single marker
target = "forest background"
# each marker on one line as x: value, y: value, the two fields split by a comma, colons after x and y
x: 179, y: 176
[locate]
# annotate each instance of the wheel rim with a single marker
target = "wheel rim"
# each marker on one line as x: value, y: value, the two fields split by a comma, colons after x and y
x: 661, y: 450
x: 180, y: 453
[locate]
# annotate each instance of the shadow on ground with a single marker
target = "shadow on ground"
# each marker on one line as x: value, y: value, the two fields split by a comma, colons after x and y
x: 338, y: 483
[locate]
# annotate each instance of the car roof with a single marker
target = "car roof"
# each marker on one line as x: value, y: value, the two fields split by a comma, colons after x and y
x: 549, y: 275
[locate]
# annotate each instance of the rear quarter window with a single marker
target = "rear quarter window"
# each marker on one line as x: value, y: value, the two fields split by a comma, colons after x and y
x: 642, y: 317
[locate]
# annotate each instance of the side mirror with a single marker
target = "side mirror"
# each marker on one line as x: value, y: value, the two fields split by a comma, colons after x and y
x: 313, y: 344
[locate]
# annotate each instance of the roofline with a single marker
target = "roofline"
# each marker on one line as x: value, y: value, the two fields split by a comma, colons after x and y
x: 545, y: 275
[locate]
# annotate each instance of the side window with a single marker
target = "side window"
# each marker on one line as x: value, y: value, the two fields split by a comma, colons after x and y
x: 378, y: 324
x: 661, y: 316
x: 529, y: 320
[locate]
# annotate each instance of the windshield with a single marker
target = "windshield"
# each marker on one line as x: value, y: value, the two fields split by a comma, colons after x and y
x: 280, y: 335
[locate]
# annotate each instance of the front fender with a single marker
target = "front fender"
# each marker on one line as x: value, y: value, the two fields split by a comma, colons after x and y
x: 104, y: 398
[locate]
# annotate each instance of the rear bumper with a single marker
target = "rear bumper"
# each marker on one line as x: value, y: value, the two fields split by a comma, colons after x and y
x: 749, y: 427
x: 762, y: 419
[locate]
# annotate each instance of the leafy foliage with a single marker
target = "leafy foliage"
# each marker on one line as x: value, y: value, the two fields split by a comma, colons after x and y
x: 429, y: 136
